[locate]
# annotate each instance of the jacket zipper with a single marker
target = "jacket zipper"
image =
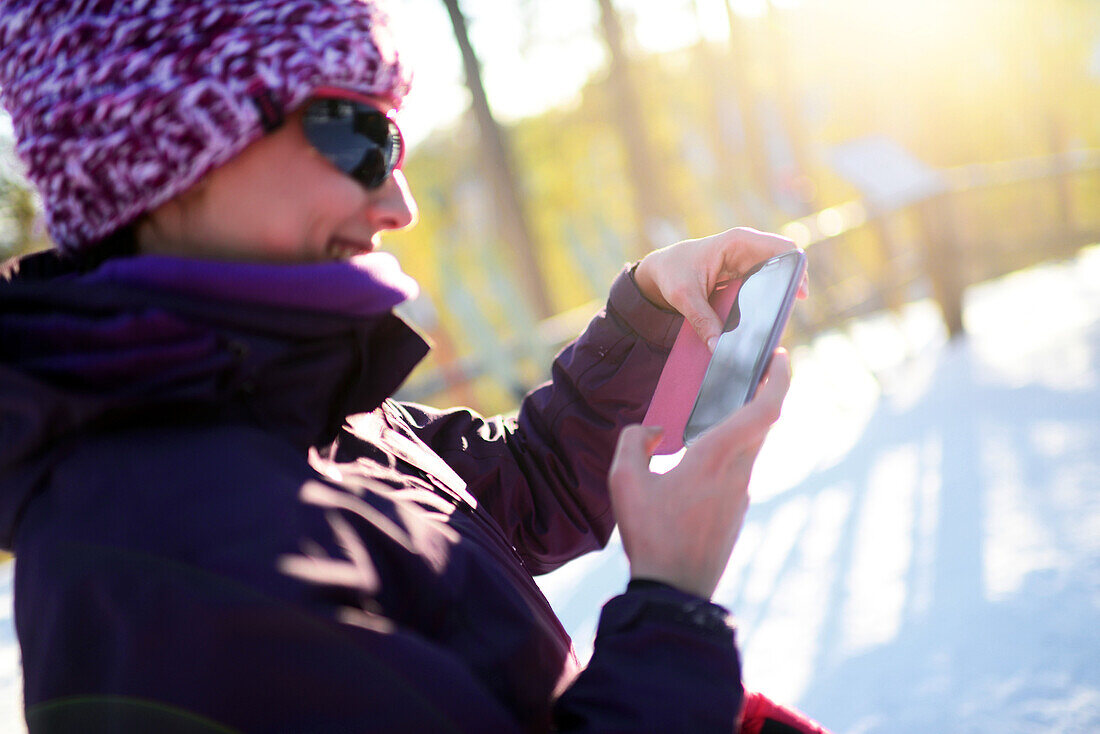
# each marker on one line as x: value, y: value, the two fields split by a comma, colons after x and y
x: 467, y: 509
x: 525, y: 578
x: 440, y: 489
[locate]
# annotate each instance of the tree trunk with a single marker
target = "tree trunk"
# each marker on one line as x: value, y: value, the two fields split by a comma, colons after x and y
x: 651, y: 199
x: 755, y: 146
x: 789, y: 106
x: 717, y: 93
x: 512, y: 221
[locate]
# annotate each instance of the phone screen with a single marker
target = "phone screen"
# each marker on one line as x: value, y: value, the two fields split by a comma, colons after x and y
x: 750, y: 336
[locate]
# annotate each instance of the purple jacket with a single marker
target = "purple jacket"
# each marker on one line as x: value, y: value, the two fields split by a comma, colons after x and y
x: 222, y: 521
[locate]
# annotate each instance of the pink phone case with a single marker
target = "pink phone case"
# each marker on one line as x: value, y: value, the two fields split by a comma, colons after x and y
x: 674, y: 396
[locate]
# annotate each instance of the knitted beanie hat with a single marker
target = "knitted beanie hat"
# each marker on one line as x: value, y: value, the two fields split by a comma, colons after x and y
x: 119, y: 105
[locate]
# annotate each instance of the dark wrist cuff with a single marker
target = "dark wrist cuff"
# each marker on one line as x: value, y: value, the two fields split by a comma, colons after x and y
x: 633, y: 271
x: 654, y: 601
x: 647, y: 320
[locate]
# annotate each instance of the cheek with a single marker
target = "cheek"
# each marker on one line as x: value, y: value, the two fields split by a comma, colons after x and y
x: 279, y: 200
x: 329, y: 196
x: 324, y: 204
x: 303, y: 208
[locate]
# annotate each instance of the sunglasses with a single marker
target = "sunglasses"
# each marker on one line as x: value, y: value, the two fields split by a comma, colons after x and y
x: 357, y: 137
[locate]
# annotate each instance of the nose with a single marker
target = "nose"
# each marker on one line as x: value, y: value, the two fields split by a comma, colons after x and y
x: 392, y: 206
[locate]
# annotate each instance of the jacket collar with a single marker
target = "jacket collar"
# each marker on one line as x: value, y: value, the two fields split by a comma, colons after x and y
x: 294, y: 349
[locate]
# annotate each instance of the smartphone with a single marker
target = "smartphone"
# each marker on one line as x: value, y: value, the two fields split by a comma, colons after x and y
x: 750, y: 335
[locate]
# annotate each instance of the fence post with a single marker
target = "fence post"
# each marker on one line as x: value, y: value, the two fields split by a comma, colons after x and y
x: 882, y: 224
x: 943, y: 259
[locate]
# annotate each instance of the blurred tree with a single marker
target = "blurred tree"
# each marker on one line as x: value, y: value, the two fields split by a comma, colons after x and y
x: 717, y: 97
x: 652, y: 199
x: 19, y: 232
x: 952, y: 83
x: 755, y: 147
x: 788, y: 96
x: 19, y: 212
x: 514, y: 227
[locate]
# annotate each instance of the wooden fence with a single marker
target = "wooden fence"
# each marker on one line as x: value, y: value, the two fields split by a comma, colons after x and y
x: 986, y: 220
x: 983, y: 221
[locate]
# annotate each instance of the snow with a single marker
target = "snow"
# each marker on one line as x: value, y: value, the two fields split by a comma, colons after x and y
x: 923, y: 549
x: 11, y: 676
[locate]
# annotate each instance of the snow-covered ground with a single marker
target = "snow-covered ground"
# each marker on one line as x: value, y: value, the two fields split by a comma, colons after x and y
x: 923, y: 550
x: 11, y: 681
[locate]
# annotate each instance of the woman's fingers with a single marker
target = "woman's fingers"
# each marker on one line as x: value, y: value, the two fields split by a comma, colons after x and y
x: 744, y: 247
x: 747, y: 247
x: 772, y: 390
x: 740, y: 435
x: 697, y: 311
x: 680, y: 527
x: 632, y: 454
x: 685, y: 275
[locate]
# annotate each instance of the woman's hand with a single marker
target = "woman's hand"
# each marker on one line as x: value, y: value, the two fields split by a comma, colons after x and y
x: 680, y: 527
x: 684, y: 275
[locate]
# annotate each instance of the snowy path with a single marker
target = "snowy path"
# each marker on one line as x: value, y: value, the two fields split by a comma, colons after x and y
x: 11, y: 682
x: 923, y: 550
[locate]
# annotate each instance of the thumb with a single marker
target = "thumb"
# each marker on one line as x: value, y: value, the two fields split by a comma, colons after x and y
x: 633, y: 451
x: 753, y: 421
x: 697, y: 311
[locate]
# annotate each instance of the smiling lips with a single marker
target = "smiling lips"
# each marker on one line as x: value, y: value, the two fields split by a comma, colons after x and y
x: 341, y: 249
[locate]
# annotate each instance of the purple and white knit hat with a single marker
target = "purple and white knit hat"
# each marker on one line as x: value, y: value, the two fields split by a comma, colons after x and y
x: 119, y: 105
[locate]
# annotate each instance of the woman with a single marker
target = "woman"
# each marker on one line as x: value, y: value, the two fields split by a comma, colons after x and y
x: 222, y: 521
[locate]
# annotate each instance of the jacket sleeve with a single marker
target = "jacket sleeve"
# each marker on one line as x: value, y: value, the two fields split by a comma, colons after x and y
x: 159, y: 646
x: 198, y: 622
x: 663, y: 661
x: 543, y: 474
x: 164, y: 647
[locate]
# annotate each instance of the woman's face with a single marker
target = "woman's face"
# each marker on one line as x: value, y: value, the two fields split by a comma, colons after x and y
x: 279, y: 200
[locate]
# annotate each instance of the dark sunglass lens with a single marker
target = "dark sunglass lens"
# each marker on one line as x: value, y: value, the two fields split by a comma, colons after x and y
x: 360, y: 141
x: 382, y: 157
x: 372, y: 170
